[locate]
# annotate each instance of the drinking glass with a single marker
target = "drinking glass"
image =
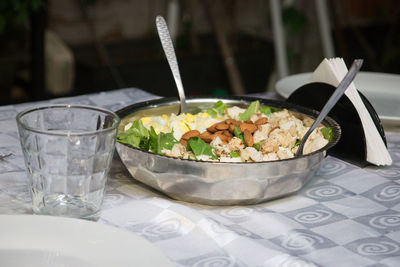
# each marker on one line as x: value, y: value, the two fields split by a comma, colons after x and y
x: 68, y: 151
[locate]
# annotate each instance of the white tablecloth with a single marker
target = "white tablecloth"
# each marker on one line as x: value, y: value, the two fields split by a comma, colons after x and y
x: 346, y: 216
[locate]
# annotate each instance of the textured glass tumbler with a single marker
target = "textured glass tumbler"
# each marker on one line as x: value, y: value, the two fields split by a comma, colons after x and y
x: 68, y: 152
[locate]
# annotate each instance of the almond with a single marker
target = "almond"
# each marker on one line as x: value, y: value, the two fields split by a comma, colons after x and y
x: 227, y: 133
x: 231, y: 127
x: 189, y: 134
x: 183, y: 142
x: 223, y: 138
x: 248, y: 126
x: 206, y: 137
x: 235, y: 122
x: 212, y: 128
x: 221, y: 126
x: 248, y: 138
x: 260, y: 121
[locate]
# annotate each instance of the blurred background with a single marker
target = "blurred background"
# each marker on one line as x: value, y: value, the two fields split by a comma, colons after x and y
x: 52, y: 48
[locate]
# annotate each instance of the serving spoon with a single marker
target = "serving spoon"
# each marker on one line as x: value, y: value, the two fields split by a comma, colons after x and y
x: 337, y: 94
x: 169, y: 51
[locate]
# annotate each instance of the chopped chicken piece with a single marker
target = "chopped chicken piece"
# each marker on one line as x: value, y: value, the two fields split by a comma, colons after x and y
x: 284, y: 153
x: 250, y: 153
x: 219, y: 148
x: 292, y: 130
x: 262, y: 133
x: 189, y: 155
x: 319, y: 142
x: 178, y: 150
x: 233, y: 112
x: 229, y: 159
x: 270, y: 156
x: 167, y: 152
x: 314, y: 144
x: 216, y: 142
x: 301, y: 131
x: 244, y: 155
x: 235, y: 144
x: 284, y: 113
x: 255, y: 116
x: 204, y: 158
x: 284, y: 138
x: 294, y: 150
x: 286, y: 124
x: 269, y: 145
x: 308, y: 121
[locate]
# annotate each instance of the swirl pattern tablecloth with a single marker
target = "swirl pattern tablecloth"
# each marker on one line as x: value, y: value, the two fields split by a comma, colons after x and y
x: 346, y: 215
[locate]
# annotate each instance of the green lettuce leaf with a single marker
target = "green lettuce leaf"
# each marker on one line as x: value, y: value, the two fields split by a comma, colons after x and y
x: 212, y: 112
x: 218, y: 109
x: 253, y: 108
x: 234, y: 154
x: 239, y: 134
x: 268, y: 110
x: 258, y: 145
x: 161, y: 141
x: 327, y: 133
x: 297, y: 143
x: 137, y: 135
x: 140, y: 137
x: 199, y: 147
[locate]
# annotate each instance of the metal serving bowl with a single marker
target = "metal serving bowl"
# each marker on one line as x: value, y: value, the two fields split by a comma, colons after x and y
x: 219, y: 183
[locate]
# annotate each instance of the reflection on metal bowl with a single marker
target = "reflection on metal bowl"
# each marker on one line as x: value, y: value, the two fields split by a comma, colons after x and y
x: 219, y: 183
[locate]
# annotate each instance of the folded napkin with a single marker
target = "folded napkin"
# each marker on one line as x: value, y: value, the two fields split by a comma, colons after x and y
x: 332, y: 71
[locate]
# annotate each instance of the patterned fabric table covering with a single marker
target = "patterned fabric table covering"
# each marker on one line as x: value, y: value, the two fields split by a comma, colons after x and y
x: 346, y: 216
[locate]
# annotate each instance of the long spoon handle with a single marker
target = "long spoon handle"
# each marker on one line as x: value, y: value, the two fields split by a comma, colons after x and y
x: 169, y: 51
x: 337, y: 94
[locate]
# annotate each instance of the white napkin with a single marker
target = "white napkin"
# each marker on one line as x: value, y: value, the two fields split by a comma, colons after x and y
x: 332, y: 71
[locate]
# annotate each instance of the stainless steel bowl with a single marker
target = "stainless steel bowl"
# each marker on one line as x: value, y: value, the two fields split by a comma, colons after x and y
x: 217, y: 183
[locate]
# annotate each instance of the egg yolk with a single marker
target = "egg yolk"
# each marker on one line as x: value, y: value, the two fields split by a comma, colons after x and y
x: 183, y: 126
x: 145, y: 120
x: 190, y: 118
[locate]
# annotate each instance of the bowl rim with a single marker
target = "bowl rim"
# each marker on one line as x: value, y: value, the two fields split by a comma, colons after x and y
x: 165, y: 101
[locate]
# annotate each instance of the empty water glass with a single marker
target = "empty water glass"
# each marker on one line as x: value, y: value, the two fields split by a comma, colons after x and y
x: 68, y: 152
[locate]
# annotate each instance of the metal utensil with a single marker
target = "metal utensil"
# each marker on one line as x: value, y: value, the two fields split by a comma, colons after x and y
x: 347, y: 79
x: 169, y: 51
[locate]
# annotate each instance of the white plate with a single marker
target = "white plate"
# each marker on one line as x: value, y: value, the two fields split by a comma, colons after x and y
x: 381, y: 89
x: 33, y: 240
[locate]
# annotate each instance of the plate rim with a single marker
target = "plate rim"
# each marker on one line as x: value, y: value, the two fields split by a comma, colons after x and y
x: 96, y: 238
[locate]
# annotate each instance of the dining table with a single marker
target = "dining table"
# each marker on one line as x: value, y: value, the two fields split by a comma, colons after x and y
x: 345, y: 215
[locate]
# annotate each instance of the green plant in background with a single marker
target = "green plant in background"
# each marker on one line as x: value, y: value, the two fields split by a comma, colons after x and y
x: 295, y: 22
x: 16, y: 12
